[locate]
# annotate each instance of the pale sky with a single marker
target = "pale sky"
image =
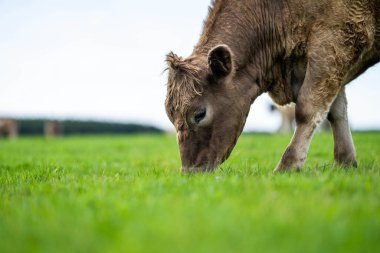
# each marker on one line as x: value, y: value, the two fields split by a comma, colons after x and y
x: 104, y: 60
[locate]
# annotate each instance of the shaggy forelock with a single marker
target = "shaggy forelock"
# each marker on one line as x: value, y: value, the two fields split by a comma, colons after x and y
x: 183, y: 83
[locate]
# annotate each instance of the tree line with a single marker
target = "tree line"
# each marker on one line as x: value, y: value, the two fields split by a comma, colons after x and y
x: 73, y: 127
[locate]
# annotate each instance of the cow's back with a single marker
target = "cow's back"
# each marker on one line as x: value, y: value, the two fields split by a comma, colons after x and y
x: 364, y: 12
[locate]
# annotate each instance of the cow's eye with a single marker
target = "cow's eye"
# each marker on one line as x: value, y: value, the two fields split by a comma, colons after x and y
x: 199, y: 115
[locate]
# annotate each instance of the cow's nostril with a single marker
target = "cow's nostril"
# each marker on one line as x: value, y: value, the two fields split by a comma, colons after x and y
x: 199, y: 115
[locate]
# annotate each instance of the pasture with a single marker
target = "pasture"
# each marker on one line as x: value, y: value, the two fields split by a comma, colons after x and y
x: 125, y: 194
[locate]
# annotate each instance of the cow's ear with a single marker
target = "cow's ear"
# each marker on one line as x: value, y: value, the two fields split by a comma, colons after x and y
x: 220, y: 61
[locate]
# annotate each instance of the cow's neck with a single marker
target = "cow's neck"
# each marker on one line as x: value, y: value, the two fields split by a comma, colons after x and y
x: 253, y: 30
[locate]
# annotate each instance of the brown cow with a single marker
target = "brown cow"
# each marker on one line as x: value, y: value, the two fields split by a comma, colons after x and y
x: 302, y: 51
x: 52, y: 129
x: 288, y: 116
x: 8, y: 128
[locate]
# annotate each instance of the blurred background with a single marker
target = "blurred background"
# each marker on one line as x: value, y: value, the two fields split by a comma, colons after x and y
x: 103, y: 61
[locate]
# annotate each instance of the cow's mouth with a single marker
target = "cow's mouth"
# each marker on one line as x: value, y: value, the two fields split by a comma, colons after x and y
x: 211, y: 165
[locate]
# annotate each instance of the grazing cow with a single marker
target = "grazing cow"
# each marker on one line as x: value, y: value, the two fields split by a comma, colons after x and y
x: 8, y: 128
x: 300, y: 51
x: 52, y: 129
x: 288, y: 116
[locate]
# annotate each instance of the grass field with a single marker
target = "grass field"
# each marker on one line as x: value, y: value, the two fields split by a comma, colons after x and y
x: 125, y: 194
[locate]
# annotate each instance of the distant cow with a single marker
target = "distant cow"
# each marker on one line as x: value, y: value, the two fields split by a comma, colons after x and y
x: 288, y: 119
x: 52, y: 129
x: 288, y: 116
x: 8, y: 128
x: 301, y: 51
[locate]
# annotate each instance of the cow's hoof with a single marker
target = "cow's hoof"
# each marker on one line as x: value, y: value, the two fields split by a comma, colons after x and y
x: 346, y: 164
x: 290, y: 162
x: 281, y: 168
x: 345, y: 159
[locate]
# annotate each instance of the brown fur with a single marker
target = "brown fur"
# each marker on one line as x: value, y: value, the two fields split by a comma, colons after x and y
x: 298, y: 51
x: 183, y: 84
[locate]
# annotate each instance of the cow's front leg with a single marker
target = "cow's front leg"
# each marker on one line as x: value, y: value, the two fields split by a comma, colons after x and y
x: 306, y: 123
x: 330, y: 58
x: 344, y: 150
x: 319, y: 90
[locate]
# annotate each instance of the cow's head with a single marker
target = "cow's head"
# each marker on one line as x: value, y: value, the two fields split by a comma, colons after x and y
x: 208, y: 105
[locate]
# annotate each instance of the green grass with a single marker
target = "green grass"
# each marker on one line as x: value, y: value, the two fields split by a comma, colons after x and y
x: 125, y: 194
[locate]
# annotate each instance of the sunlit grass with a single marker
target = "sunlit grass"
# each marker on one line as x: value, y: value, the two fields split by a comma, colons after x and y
x: 125, y: 194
